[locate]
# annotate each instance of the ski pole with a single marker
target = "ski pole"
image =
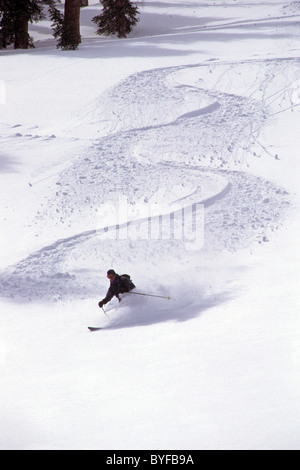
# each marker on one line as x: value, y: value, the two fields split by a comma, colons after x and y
x: 151, y: 295
x: 105, y: 312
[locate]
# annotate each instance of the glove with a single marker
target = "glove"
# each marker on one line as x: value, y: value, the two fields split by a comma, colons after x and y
x: 100, y: 304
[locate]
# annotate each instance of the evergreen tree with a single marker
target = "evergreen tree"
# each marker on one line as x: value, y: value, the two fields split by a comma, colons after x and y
x: 66, y: 28
x: 118, y: 17
x: 15, y: 16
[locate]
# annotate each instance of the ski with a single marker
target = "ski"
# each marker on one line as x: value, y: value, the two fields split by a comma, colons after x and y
x: 95, y: 328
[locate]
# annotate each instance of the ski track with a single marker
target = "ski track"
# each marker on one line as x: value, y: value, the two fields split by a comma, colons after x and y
x: 197, y: 153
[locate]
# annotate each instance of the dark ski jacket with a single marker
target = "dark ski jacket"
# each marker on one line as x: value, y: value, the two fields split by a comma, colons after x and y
x: 118, y: 286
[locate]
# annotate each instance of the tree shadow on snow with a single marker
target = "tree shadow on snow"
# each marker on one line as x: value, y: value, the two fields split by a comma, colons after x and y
x: 7, y: 165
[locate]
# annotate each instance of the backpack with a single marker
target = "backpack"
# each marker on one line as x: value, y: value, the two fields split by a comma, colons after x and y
x: 126, y: 283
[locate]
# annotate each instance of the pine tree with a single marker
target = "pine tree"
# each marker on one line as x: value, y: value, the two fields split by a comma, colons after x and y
x: 66, y: 28
x: 15, y: 16
x: 7, y: 30
x: 118, y: 17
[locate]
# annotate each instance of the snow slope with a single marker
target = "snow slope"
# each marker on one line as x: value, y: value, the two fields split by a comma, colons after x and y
x: 196, y: 113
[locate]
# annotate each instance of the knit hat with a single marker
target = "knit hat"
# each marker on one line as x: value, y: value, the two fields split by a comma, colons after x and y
x: 111, y: 272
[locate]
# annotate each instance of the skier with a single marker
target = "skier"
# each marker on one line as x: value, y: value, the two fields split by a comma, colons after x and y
x: 118, y: 285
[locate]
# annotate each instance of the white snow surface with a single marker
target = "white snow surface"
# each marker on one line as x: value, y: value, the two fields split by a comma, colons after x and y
x: 200, y: 104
